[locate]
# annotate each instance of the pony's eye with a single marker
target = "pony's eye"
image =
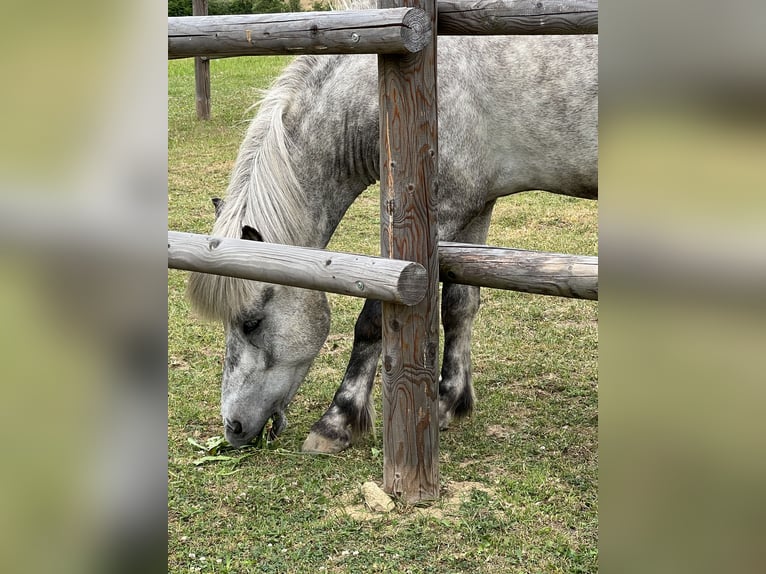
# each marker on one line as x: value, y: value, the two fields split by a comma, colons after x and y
x: 250, y: 326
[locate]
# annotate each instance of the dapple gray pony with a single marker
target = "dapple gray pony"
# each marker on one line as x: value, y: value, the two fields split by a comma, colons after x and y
x: 515, y: 114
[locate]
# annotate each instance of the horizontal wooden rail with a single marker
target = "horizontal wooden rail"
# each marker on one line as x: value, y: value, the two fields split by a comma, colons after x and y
x: 393, y: 280
x: 517, y: 17
x: 359, y: 275
x: 385, y: 31
x: 519, y: 270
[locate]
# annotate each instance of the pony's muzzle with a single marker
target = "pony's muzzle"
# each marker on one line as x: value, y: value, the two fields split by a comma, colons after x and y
x: 234, y: 427
x: 238, y: 435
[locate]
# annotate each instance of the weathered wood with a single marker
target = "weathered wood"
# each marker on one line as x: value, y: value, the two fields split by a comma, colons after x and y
x: 517, y: 17
x: 519, y: 270
x: 362, y: 276
x: 202, y: 87
x: 408, y: 167
x: 396, y: 31
x: 201, y: 71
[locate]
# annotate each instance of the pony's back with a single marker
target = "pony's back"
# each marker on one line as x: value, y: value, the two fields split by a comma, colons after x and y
x: 515, y: 113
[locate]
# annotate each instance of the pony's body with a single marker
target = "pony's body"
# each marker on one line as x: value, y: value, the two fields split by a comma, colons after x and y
x: 515, y: 114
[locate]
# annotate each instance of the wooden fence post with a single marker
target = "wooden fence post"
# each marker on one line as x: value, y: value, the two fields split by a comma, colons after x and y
x: 201, y: 71
x: 408, y: 169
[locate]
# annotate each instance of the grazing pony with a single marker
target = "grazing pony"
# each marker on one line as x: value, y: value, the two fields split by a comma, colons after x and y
x: 515, y: 114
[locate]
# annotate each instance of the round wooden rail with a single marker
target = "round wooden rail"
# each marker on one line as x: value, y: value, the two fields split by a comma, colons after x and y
x: 391, y: 31
x: 554, y: 274
x: 391, y: 280
x: 517, y: 17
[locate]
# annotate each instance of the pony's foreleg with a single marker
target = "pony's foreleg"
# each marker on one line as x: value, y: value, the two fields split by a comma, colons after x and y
x: 460, y: 303
x: 351, y: 411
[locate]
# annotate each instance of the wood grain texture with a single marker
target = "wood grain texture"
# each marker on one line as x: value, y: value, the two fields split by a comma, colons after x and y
x: 201, y: 71
x: 408, y: 160
x: 517, y: 17
x: 554, y: 274
x: 202, y: 87
x: 348, y: 274
x: 397, y: 31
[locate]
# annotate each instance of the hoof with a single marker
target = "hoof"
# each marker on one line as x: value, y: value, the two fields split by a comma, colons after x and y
x: 455, y: 408
x: 445, y: 418
x: 318, y: 444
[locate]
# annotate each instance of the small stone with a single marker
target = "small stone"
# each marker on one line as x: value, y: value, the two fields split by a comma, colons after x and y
x: 375, y: 499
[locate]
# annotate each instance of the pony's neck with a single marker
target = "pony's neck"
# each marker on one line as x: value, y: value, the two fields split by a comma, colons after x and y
x: 335, y: 135
x: 334, y: 181
x: 310, y: 151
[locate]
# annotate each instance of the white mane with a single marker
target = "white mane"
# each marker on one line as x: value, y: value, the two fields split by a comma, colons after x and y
x: 263, y: 193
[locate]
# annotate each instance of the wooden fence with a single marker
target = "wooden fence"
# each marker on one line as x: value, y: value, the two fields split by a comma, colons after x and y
x: 409, y: 155
x: 383, y: 31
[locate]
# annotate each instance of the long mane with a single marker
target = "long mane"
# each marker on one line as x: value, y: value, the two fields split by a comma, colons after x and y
x: 263, y: 192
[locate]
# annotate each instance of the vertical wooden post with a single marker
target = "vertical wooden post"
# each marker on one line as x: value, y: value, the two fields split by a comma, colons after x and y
x: 201, y: 71
x: 408, y: 188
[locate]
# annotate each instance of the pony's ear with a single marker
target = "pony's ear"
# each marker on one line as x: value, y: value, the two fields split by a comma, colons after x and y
x: 218, y: 204
x: 251, y: 233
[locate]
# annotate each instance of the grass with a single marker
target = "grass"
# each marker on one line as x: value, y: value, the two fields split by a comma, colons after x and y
x: 519, y: 478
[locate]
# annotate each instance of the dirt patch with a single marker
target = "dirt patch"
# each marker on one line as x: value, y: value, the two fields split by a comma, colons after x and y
x: 178, y: 364
x: 453, y: 496
x: 499, y: 432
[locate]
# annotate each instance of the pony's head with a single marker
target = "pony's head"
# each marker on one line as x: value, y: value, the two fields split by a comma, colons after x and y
x: 273, y: 332
x: 272, y: 336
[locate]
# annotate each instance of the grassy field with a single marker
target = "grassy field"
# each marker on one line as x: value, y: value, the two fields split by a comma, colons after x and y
x: 519, y: 478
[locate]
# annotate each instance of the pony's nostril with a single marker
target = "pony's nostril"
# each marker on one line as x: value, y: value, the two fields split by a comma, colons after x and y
x: 234, y: 426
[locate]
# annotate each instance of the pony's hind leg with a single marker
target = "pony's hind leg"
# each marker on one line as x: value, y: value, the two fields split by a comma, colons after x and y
x: 351, y: 411
x: 459, y: 306
x: 460, y: 303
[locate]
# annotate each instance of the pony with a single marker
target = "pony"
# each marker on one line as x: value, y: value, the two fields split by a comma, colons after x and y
x: 515, y: 114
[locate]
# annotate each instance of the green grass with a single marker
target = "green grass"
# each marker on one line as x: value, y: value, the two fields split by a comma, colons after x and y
x: 519, y: 477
